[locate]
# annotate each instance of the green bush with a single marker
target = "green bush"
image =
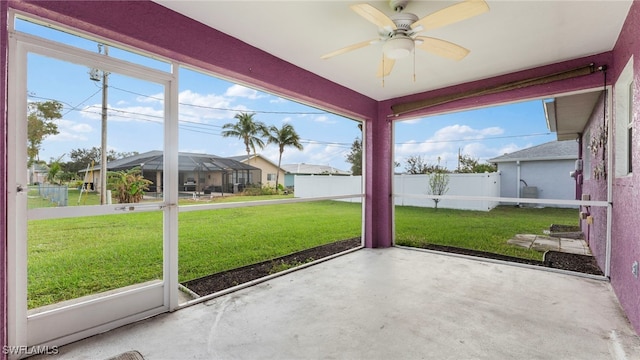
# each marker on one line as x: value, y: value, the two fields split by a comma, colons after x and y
x: 257, y: 190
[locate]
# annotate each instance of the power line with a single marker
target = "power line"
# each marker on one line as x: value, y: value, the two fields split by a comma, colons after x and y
x: 479, y: 139
x: 123, y: 113
x: 227, y: 109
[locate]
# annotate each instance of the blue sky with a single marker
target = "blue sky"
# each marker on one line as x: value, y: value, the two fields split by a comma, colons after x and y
x: 206, y: 103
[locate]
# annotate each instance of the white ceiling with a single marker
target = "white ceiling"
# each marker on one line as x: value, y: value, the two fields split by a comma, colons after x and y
x: 512, y: 36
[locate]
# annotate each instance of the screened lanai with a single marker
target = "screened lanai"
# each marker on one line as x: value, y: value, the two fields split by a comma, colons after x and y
x: 196, y: 172
x: 515, y: 51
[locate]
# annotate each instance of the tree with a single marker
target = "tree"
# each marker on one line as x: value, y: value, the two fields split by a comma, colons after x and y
x: 128, y: 186
x: 248, y: 130
x: 467, y: 164
x: 354, y: 157
x: 417, y: 165
x: 55, y: 170
x: 286, y: 136
x: 40, y: 124
x: 80, y: 158
x: 438, y: 182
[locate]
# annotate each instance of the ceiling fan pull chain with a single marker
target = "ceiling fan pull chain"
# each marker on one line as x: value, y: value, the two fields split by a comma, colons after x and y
x: 383, y: 68
x: 414, y: 65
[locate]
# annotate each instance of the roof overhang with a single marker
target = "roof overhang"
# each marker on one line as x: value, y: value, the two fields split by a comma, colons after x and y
x: 568, y: 115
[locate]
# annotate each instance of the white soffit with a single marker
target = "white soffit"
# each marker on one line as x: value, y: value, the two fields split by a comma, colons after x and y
x: 568, y: 115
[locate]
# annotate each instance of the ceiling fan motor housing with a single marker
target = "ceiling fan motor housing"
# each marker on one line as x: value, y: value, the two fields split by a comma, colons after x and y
x: 400, y: 44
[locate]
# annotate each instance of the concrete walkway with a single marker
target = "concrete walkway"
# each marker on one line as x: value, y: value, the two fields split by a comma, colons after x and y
x: 543, y: 243
x: 389, y: 304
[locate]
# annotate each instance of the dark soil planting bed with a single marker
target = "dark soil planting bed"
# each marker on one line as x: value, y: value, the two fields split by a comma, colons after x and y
x: 217, y: 282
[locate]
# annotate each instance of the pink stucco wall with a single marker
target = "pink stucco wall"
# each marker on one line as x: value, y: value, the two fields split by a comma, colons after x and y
x: 625, y: 244
x: 596, y: 233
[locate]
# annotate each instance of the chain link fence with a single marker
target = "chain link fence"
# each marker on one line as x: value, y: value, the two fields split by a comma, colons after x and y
x: 57, y: 194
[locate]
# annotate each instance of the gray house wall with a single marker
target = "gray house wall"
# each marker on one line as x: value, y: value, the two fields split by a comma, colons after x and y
x: 551, y: 177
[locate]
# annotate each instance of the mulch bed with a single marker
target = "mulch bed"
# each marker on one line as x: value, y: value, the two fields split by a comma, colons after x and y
x: 230, y: 278
x: 227, y: 279
x: 552, y: 259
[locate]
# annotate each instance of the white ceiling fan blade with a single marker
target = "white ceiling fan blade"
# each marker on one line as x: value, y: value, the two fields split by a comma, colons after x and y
x: 373, y: 15
x: 441, y: 47
x: 385, y: 67
x: 348, y: 48
x: 452, y: 14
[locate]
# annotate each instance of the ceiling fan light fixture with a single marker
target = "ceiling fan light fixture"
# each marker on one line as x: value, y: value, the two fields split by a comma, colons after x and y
x: 398, y: 47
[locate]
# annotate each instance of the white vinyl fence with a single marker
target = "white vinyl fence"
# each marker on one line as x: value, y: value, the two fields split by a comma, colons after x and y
x: 413, y: 186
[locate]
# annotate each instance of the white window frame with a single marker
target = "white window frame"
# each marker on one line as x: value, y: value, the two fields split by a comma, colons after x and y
x: 623, y: 98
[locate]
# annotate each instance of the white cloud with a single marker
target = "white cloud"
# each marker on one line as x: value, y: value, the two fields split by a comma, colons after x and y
x: 278, y: 100
x: 465, y: 132
x: 71, y: 131
x: 244, y: 92
x: 412, y: 121
x: 509, y: 148
x: 313, y: 153
x: 123, y: 113
x: 445, y: 144
x: 324, y: 119
x: 197, y: 107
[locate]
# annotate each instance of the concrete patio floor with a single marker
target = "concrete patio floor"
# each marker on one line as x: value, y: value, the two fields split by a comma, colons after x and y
x: 389, y: 304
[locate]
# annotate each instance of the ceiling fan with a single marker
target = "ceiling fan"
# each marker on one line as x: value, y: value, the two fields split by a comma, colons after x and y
x: 399, y: 34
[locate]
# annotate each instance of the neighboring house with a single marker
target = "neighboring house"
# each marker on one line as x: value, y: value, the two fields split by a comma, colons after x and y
x: 268, y: 168
x: 37, y: 173
x: 309, y: 169
x: 196, y: 172
x: 541, y: 171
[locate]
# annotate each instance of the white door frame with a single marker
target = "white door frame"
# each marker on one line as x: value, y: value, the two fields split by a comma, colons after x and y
x: 96, y: 314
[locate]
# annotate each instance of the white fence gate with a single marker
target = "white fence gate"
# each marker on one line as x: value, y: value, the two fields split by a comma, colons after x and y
x: 472, y: 185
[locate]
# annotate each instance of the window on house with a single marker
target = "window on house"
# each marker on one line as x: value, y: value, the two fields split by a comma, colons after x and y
x: 623, y: 93
x: 271, y: 177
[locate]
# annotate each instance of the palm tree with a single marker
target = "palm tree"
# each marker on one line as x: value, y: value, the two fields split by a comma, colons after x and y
x: 283, y: 137
x: 246, y: 129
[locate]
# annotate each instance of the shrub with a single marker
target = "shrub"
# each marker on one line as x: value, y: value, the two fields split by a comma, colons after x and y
x: 256, y: 190
x: 128, y: 186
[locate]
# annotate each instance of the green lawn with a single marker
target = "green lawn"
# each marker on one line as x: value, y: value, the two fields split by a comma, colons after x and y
x: 69, y: 258
x: 478, y: 230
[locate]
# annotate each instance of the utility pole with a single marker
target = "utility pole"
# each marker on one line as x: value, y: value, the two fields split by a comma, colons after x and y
x: 103, y: 147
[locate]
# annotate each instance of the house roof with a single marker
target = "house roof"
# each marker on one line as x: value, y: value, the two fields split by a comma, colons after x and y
x: 153, y: 160
x: 568, y: 115
x: 554, y: 150
x: 309, y: 169
x: 243, y: 158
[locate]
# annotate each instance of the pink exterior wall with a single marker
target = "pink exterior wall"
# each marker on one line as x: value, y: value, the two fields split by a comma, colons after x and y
x: 625, y: 244
x: 596, y: 233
